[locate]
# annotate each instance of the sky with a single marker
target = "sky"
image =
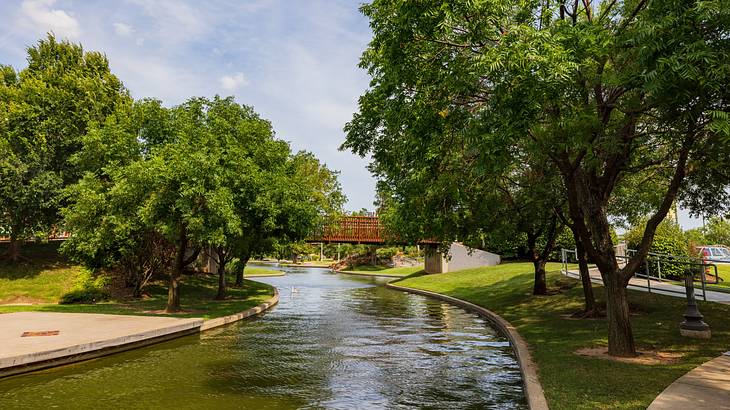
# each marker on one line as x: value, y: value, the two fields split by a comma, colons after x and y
x: 294, y: 61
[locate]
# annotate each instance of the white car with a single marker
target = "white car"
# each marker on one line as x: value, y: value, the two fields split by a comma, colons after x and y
x: 714, y: 253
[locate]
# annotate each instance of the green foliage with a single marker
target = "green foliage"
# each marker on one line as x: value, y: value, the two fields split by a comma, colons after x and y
x: 387, y: 252
x: 88, y: 288
x: 45, y: 111
x: 695, y: 237
x: 717, y: 232
x: 668, y: 240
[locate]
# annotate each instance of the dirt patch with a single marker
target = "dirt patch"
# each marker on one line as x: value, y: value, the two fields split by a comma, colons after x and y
x: 645, y: 357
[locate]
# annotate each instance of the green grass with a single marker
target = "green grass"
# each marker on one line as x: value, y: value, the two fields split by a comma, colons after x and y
x: 382, y: 270
x: 197, y: 293
x: 45, y: 276
x: 259, y: 271
x: 576, y: 382
x: 42, y: 277
x: 311, y: 264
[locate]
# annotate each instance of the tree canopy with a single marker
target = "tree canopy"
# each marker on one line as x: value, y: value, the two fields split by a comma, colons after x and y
x: 610, y: 93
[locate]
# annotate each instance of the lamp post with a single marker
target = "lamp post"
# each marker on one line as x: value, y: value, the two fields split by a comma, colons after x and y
x: 693, y: 325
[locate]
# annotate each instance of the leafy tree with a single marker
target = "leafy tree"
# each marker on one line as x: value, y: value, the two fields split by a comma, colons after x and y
x: 717, y: 231
x: 108, y: 232
x: 46, y: 109
x: 603, y: 91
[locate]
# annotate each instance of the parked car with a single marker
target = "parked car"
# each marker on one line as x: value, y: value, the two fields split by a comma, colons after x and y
x: 714, y: 253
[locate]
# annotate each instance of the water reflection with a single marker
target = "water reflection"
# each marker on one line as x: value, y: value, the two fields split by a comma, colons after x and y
x: 332, y: 342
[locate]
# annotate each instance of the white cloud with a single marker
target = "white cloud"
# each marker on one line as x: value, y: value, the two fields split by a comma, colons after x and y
x: 41, y: 16
x: 174, y: 20
x: 233, y: 82
x: 124, y: 30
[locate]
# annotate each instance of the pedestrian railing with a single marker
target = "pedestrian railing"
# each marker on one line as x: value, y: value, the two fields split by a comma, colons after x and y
x: 659, y: 268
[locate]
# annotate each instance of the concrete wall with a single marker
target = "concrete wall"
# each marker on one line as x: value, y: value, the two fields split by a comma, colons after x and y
x: 460, y: 257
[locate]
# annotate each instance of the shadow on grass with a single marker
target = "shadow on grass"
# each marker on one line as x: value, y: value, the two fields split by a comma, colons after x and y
x: 573, y: 381
x: 36, y: 258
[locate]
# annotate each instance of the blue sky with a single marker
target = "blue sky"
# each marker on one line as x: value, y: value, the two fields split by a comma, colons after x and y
x: 294, y: 61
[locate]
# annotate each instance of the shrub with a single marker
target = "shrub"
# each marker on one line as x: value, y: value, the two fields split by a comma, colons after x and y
x: 668, y: 240
x: 87, y: 289
x: 387, y: 253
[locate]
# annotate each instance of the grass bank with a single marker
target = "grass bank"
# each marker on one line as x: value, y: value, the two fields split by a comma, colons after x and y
x: 578, y: 382
x: 197, y: 293
x: 382, y: 270
x: 39, y: 282
x: 310, y: 264
x: 260, y: 271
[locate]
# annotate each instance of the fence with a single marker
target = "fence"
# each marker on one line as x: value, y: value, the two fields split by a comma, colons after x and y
x: 650, y: 276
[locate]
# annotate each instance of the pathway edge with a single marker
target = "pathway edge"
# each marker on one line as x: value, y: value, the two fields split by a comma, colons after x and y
x: 533, y: 389
x: 93, y: 350
x: 224, y: 320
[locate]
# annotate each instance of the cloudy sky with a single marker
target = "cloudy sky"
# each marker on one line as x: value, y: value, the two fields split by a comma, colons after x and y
x: 294, y: 61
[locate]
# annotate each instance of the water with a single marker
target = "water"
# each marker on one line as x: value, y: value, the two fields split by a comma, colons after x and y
x: 333, y: 342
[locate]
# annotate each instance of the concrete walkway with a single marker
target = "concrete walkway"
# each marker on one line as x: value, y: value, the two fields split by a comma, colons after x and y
x: 704, y: 387
x: 659, y: 287
x: 35, y: 340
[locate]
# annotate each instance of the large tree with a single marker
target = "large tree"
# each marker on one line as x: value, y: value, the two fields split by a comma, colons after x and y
x: 46, y: 109
x: 604, y: 90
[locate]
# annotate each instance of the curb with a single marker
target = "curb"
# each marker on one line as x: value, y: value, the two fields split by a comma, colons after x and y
x: 533, y: 389
x: 222, y: 321
x: 376, y: 275
x: 87, y: 351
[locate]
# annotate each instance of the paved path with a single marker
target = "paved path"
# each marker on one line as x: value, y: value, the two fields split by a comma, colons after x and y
x: 660, y: 287
x: 704, y: 387
x: 77, y: 334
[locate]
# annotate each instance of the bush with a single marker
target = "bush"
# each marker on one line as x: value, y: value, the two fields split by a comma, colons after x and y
x: 87, y: 289
x: 387, y: 253
x: 668, y: 240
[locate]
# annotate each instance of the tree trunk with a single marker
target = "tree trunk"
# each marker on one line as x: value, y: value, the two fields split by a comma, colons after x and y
x: 14, y: 249
x: 540, y: 287
x: 173, y: 292
x: 239, y: 273
x: 620, y: 335
x: 221, y: 277
x: 585, y: 275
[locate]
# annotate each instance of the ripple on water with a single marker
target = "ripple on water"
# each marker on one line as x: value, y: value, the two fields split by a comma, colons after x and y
x: 337, y: 343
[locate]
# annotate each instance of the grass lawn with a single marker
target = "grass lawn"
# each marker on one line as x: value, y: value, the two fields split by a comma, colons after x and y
x: 260, y: 271
x: 571, y: 381
x: 45, y: 277
x: 310, y: 264
x: 197, y: 293
x: 382, y: 270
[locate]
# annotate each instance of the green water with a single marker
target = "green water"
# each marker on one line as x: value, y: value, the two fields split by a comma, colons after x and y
x: 333, y: 342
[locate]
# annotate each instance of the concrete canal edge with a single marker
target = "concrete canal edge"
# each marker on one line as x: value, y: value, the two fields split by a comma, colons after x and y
x: 373, y: 275
x: 533, y: 389
x: 45, y: 359
x: 221, y: 321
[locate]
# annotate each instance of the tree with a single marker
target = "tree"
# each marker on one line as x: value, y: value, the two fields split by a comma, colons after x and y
x: 717, y: 231
x: 47, y: 108
x: 604, y: 91
x: 108, y: 233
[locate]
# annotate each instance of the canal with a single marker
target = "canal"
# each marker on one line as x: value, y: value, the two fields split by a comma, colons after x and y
x: 332, y: 342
